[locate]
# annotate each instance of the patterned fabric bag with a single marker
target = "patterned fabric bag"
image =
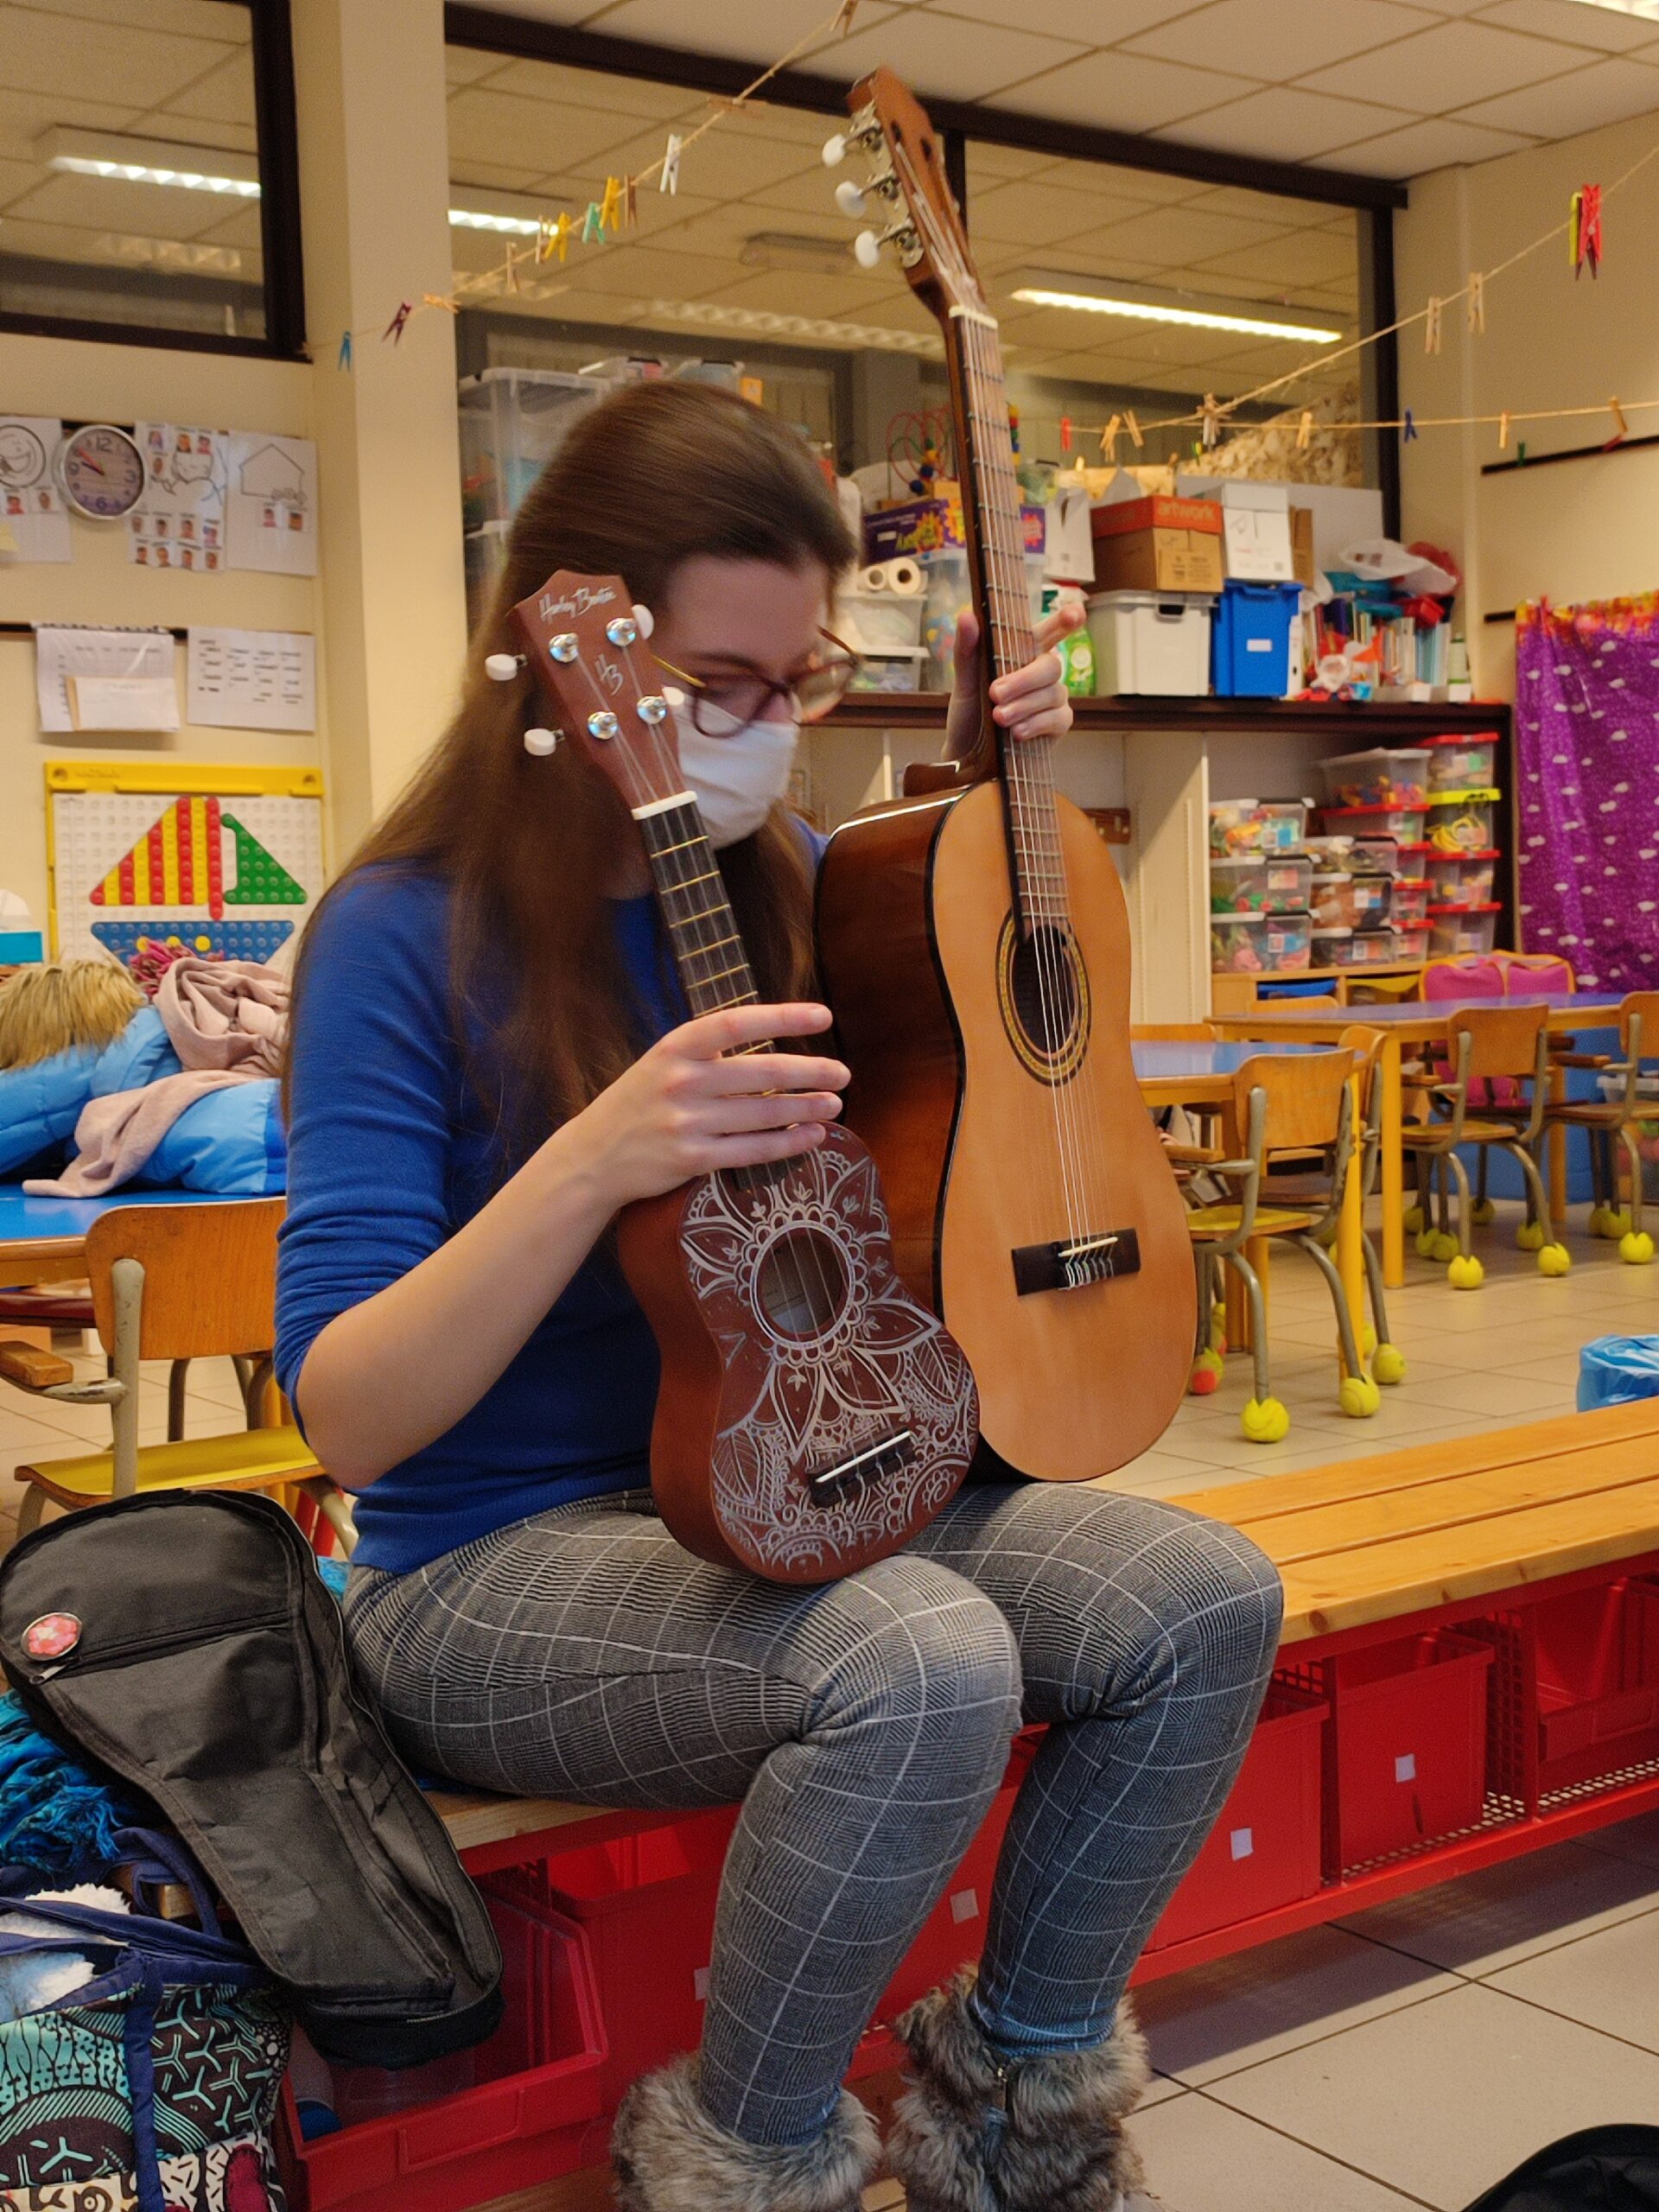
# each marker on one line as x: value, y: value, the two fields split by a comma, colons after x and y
x: 152, y: 2087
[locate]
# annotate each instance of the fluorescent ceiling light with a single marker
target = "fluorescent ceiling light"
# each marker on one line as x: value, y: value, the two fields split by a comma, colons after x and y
x: 150, y: 161
x: 1048, y: 288
x: 1648, y: 9
x: 765, y: 324
x: 478, y: 218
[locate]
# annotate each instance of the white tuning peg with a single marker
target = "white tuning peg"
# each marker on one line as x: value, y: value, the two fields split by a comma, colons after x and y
x: 849, y: 197
x: 541, y: 742
x: 501, y: 668
x: 646, y: 619
x: 673, y: 694
x: 835, y: 150
x: 866, y: 250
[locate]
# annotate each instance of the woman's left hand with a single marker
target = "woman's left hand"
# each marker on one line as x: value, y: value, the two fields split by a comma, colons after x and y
x: 1028, y: 702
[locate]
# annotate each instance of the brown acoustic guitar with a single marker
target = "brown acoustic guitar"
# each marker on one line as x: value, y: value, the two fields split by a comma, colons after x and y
x: 975, y: 948
x: 812, y: 1415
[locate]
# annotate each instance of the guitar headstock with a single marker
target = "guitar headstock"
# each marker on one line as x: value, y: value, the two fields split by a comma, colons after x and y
x: 908, y: 185
x: 586, y: 643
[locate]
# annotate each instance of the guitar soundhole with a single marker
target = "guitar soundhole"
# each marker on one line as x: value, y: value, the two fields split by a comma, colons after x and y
x: 1045, y: 994
x: 801, y: 1284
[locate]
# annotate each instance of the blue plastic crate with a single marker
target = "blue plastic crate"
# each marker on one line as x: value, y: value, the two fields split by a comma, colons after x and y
x: 1249, y: 643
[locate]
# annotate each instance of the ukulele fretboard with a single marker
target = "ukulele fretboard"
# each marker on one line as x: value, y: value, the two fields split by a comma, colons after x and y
x: 709, y: 953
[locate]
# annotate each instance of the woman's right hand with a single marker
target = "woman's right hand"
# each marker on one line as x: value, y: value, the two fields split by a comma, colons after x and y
x: 697, y: 1100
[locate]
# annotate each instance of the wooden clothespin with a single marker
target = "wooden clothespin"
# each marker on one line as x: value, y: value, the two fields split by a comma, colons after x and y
x: 1133, y: 428
x: 395, y: 328
x: 438, y: 299
x: 1432, y: 325
x: 669, y: 178
x: 1108, y: 440
x: 1621, y: 428
x: 1211, y: 412
x: 1503, y: 433
x: 845, y: 19
x: 610, y: 206
x: 630, y: 202
x: 1476, y: 303
x: 510, y: 272
x: 1305, y: 430
x: 593, y: 225
x: 1066, y: 434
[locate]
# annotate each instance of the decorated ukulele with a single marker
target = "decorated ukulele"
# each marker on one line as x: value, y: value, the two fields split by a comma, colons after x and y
x: 811, y: 1416
x: 974, y: 947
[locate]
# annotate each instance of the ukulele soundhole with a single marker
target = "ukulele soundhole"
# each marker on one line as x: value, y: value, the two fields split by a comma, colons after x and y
x: 1044, y: 990
x: 801, y: 1284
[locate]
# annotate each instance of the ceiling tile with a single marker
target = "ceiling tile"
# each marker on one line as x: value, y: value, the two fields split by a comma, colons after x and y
x: 1177, y: 235
x: 1648, y: 52
x: 16, y: 177
x: 553, y: 80
x: 53, y: 53
x: 1252, y: 36
x: 1580, y: 26
x: 1287, y: 125
x: 1425, y: 146
x: 194, y: 129
x: 21, y: 119
x: 1103, y: 22
x: 989, y: 165
x: 1263, y: 206
x: 490, y: 126
x: 1028, y: 214
x: 778, y: 292
x: 949, y: 55
x: 723, y: 166
x: 223, y: 95
x: 1122, y: 92
x: 1606, y: 91
x: 1306, y: 258
x: 735, y: 29
x: 241, y: 229
x: 491, y: 176
x: 94, y: 203
x: 464, y: 65
x: 551, y: 12
x: 198, y: 18
x: 1446, y: 68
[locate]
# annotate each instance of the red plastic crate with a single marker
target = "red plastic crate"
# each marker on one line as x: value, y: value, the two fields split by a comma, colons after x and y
x: 1264, y: 1851
x: 524, y: 2112
x: 1597, y: 1657
x: 1410, y: 1721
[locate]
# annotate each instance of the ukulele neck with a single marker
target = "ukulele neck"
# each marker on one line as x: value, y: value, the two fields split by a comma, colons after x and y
x: 994, y: 534
x: 691, y: 892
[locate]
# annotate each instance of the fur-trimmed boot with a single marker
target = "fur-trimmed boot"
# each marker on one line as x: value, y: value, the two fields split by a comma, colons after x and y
x: 669, y: 2157
x: 977, y: 2132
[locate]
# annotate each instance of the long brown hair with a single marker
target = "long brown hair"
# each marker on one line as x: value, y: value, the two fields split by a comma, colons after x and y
x: 652, y: 476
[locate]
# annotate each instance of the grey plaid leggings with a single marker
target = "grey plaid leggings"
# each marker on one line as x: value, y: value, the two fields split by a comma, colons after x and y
x: 866, y: 1726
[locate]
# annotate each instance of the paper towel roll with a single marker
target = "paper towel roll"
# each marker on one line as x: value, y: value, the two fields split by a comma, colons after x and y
x: 874, y: 578
x: 905, y: 578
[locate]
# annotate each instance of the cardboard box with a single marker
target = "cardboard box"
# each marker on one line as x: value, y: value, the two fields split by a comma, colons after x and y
x: 1301, y: 547
x: 931, y: 526
x: 1256, y: 526
x: 1158, y: 545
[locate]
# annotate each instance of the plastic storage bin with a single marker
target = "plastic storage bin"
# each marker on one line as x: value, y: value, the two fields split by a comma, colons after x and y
x: 1597, y: 1669
x: 875, y: 620
x: 1346, y: 901
x: 1261, y: 883
x: 1259, y: 944
x: 1385, y: 776
x: 1150, y: 642
x: 1263, y: 1851
x: 1461, y: 821
x: 1251, y: 639
x: 1410, y: 1726
x: 891, y: 668
x: 527, y: 2111
x: 1350, y: 948
x: 1404, y: 824
x: 1460, y: 879
x: 1257, y: 826
x: 1458, y: 932
x: 1462, y: 763
x: 1411, y: 941
x: 1408, y: 906
x: 513, y: 422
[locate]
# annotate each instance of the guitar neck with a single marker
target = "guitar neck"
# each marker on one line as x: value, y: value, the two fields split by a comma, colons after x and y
x: 714, y: 970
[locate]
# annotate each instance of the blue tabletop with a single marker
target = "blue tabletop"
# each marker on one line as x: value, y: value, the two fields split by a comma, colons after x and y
x: 23, y: 1219
x: 1157, y: 1060
x: 1289, y: 1014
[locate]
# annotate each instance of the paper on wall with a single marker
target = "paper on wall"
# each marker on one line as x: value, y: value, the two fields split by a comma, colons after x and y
x: 270, y: 503
x: 123, y: 701
x: 31, y: 506
x: 252, y: 679
x: 62, y: 652
x: 179, y: 522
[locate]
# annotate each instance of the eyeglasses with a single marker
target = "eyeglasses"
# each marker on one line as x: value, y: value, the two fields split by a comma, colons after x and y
x: 747, y: 698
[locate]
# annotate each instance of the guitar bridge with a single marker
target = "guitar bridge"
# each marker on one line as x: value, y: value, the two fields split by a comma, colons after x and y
x: 830, y: 1484
x: 1070, y: 1264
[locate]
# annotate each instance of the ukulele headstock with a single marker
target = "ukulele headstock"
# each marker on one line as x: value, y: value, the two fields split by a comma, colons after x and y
x: 908, y: 185
x: 586, y: 643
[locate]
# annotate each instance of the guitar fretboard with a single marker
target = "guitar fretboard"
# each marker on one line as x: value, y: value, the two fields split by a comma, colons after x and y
x: 691, y: 893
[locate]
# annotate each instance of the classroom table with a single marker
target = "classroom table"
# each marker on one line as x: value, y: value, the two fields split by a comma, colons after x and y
x: 44, y: 1240
x: 1423, y: 1025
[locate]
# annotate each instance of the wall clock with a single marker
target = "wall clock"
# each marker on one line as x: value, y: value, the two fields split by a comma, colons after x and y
x: 100, y: 472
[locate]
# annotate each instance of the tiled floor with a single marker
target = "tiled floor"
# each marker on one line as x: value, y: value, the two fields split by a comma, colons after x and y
x: 1410, y: 2056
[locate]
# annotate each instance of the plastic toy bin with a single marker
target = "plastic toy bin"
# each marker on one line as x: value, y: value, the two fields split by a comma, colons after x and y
x: 1154, y: 643
x: 1345, y: 900
x: 523, y: 2112
x: 1461, y: 764
x: 1405, y: 825
x: 1385, y: 776
x: 1259, y: 944
x: 1461, y: 821
x: 1238, y: 826
x: 1348, y: 948
x: 1251, y: 639
x: 1597, y: 1669
x: 1264, y: 1850
x: 1461, y: 933
x: 1409, y: 1719
x: 1265, y: 883
x: 1460, y: 879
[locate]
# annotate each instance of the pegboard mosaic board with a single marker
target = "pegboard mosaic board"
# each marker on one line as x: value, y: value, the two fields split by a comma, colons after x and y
x: 226, y: 861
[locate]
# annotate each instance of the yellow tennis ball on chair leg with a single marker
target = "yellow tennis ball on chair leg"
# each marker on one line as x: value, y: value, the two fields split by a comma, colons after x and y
x: 1264, y: 1420
x: 1359, y: 1396
x: 1413, y: 1221
x: 1529, y: 1237
x: 1465, y: 1274
x: 1390, y: 1364
x: 1635, y: 1248
x: 1617, y: 1224
x: 1482, y: 1213
x: 1596, y: 1223
x: 1444, y: 1245
x: 1554, y: 1260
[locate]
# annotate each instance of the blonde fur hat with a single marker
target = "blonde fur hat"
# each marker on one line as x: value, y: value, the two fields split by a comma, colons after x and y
x: 47, y: 1010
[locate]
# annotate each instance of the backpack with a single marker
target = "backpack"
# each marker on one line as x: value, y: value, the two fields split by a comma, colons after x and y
x: 184, y: 1643
x: 1600, y: 2170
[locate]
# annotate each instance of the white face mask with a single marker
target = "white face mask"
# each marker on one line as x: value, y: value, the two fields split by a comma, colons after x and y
x: 737, y: 774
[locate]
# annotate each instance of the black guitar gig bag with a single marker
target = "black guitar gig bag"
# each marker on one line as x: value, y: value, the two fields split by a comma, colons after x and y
x: 186, y: 1644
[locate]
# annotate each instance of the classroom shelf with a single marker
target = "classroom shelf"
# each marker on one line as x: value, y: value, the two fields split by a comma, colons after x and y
x: 1342, y: 721
x: 1233, y: 992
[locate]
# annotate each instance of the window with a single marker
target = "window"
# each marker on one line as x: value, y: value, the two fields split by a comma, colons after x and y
x: 146, y: 166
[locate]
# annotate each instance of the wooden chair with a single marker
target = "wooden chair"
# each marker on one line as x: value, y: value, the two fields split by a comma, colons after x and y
x: 1504, y: 1050
x: 174, y: 1283
x: 1295, y: 1104
x: 1613, y: 1120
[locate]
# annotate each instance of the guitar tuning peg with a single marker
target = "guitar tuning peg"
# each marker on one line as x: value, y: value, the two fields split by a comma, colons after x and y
x: 644, y: 618
x: 501, y: 668
x: 541, y: 742
x: 866, y: 250
x: 849, y: 197
x: 835, y: 150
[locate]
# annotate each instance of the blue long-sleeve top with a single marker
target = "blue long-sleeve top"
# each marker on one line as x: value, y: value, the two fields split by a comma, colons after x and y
x: 391, y: 1150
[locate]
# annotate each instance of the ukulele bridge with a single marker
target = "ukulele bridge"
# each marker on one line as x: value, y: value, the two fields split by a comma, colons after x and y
x: 829, y: 1485
x: 1070, y: 1264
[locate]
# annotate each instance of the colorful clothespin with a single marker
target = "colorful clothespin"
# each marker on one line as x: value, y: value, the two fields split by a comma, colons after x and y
x: 559, y: 237
x: 1133, y: 428
x: 1305, y: 430
x: 1410, y: 427
x: 1503, y: 433
x: 845, y: 19
x: 669, y: 179
x: 1584, y: 231
x: 1621, y: 428
x: 394, y: 329
x: 610, y: 207
x: 1432, y: 325
x: 1108, y: 440
x: 593, y: 225
x: 343, y: 359
x: 1066, y: 434
x: 1476, y: 303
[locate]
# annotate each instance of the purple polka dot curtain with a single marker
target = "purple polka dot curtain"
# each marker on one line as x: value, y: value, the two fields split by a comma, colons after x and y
x: 1586, y: 741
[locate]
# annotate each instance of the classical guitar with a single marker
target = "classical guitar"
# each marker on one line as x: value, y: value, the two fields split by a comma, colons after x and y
x: 811, y: 1416
x: 975, y: 948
